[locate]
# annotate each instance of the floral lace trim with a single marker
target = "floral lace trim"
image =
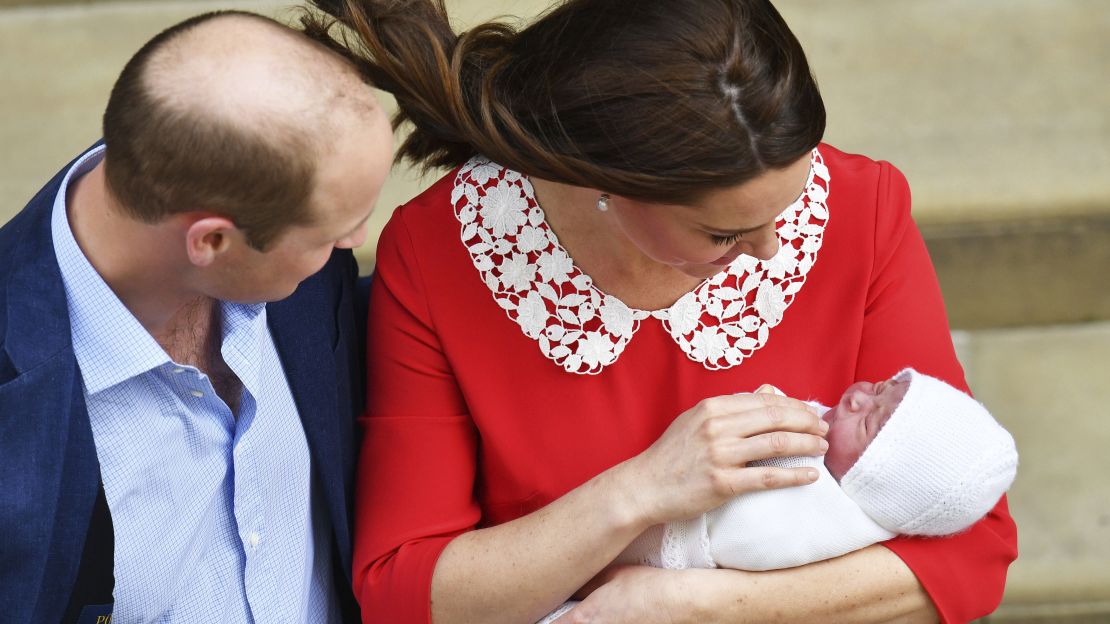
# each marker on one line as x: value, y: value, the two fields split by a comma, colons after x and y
x: 686, y: 544
x: 718, y: 324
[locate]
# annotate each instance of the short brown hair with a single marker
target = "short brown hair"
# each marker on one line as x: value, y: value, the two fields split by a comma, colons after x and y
x: 162, y: 160
x: 657, y: 100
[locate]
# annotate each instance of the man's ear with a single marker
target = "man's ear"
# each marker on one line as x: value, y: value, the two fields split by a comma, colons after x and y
x: 207, y: 237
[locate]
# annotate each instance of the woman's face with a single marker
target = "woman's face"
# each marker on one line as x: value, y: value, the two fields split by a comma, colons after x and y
x: 701, y: 240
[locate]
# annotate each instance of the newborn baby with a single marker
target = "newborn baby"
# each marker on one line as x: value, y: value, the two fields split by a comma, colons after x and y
x: 910, y: 455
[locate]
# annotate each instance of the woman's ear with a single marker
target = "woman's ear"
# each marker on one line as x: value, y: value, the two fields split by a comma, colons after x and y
x: 206, y: 238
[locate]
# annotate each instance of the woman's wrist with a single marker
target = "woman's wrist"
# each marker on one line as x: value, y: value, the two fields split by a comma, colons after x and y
x: 624, y: 498
x: 695, y: 594
x: 707, y: 595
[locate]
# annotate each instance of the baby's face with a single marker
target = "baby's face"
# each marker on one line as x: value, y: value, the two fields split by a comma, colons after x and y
x: 856, y: 420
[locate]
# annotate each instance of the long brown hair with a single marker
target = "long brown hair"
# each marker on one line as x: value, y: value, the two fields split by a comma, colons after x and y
x: 657, y: 100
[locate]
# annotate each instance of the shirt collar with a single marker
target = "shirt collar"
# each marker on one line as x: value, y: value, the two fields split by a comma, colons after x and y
x: 532, y: 277
x: 110, y: 344
x: 244, y: 329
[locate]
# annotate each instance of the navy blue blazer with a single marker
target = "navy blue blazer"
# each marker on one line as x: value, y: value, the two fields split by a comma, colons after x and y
x: 49, y: 474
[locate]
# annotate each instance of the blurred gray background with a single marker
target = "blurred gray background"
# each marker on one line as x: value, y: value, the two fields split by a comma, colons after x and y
x: 998, y: 112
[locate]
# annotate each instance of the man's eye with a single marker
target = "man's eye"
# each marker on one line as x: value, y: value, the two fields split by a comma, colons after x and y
x: 725, y: 240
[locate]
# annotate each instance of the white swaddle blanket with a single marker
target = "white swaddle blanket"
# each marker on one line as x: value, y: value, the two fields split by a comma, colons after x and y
x: 765, y: 530
x: 773, y: 529
x: 943, y: 461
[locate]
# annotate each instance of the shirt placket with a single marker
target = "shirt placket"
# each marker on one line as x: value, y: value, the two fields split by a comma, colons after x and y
x: 249, y: 511
x: 250, y: 475
x: 195, y: 391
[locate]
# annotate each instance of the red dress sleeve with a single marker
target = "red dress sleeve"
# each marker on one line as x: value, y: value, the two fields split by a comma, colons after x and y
x: 905, y: 323
x: 419, y: 445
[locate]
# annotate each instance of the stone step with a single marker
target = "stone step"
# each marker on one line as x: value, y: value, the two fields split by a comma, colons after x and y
x: 1079, y: 613
x: 1048, y: 386
x: 996, y: 111
x: 999, y: 119
x: 993, y: 109
x: 1027, y: 271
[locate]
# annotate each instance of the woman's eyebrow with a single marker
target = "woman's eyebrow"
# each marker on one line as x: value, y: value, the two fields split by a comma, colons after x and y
x: 713, y: 230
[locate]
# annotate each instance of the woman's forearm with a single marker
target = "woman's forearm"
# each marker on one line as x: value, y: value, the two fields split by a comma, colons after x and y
x: 518, y: 571
x: 867, y: 586
x: 521, y: 570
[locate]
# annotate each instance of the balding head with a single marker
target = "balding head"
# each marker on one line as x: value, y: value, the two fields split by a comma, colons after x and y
x: 229, y: 113
x: 257, y: 74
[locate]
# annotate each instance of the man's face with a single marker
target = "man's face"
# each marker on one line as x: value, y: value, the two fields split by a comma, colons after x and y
x: 855, y: 421
x: 348, y: 182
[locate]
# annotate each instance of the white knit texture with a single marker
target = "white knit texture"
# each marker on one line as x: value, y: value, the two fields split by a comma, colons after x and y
x: 938, y: 465
x: 775, y: 529
x: 646, y: 549
x: 765, y: 530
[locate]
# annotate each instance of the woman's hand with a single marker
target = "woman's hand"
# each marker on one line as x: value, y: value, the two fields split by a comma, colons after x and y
x: 639, y: 594
x: 701, y: 460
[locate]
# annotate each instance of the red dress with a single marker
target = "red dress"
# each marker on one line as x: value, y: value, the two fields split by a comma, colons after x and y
x: 481, y: 331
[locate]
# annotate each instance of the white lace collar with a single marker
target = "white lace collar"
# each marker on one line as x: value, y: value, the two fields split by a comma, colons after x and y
x: 720, y: 323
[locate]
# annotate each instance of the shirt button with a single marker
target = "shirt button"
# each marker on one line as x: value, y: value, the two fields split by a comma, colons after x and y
x: 253, y: 539
x: 178, y: 371
x: 197, y: 393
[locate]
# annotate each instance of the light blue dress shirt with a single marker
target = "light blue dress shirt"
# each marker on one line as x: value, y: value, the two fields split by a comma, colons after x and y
x: 213, y: 513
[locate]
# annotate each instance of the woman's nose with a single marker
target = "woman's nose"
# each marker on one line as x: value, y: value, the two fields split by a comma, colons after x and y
x: 764, y: 243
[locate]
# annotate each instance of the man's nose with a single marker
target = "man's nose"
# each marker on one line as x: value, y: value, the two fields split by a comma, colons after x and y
x: 354, y: 240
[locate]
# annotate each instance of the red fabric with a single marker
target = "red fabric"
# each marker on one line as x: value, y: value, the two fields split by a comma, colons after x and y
x: 468, y: 424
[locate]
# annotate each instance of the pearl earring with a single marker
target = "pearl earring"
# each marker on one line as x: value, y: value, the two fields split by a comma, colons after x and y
x: 603, y: 202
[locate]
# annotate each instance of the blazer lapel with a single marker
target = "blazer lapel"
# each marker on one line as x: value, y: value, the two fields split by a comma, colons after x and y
x: 304, y: 330
x: 47, y: 437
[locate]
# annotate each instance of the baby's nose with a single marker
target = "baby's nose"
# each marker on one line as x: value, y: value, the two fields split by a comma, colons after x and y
x: 859, y: 399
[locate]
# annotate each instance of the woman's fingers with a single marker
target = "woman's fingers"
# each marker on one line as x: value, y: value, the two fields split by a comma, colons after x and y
x: 783, y: 444
x: 753, y: 414
x: 780, y: 444
x: 736, y: 403
x: 746, y: 428
x: 766, y: 478
x: 703, y: 457
x: 729, y: 452
x: 769, y: 389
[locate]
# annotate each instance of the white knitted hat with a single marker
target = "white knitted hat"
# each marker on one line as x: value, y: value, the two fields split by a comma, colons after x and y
x: 937, y: 466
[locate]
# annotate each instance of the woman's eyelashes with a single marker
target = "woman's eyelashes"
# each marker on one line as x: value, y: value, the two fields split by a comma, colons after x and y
x: 725, y: 241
